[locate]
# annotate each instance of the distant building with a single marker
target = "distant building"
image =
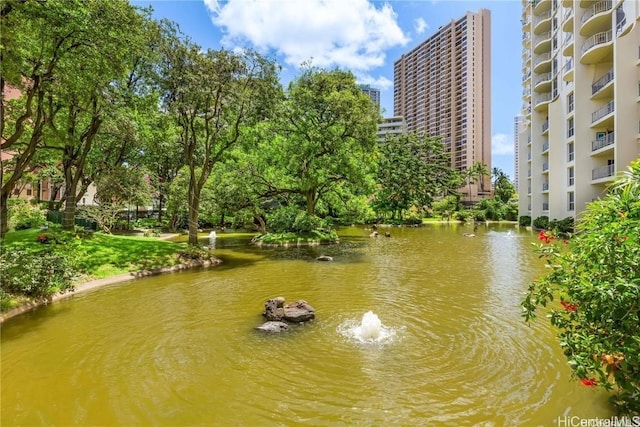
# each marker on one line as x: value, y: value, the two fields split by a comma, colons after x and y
x: 443, y: 88
x: 581, y: 93
x: 391, y: 126
x: 372, y: 93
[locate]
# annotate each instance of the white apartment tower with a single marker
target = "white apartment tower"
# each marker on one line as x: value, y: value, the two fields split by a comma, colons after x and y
x: 443, y: 88
x: 581, y: 92
x: 518, y: 127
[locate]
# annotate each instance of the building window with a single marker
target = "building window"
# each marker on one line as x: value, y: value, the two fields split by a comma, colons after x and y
x: 570, y: 102
x: 570, y: 153
x: 28, y: 191
x: 571, y: 202
x: 570, y: 129
x: 570, y: 173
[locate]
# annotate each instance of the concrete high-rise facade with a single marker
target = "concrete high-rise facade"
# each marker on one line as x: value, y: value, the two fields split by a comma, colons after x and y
x: 443, y: 88
x: 581, y: 93
x: 518, y: 128
x: 372, y: 93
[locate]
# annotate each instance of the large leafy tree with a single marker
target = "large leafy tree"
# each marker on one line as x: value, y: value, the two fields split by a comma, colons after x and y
x: 212, y: 96
x: 412, y: 171
x: 322, y: 138
x: 597, y: 280
x: 66, y: 57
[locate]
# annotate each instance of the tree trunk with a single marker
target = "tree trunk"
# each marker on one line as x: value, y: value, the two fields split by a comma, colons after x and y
x: 69, y: 215
x: 194, y: 207
x: 160, y: 200
x: 311, y: 202
x: 4, y: 222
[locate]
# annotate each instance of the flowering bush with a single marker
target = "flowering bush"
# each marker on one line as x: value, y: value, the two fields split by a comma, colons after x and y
x: 597, y: 280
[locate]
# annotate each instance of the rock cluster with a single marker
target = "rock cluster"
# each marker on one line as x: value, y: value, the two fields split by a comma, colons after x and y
x: 279, y: 315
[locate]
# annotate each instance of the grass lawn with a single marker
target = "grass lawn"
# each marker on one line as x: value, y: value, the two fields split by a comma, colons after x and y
x: 103, y: 255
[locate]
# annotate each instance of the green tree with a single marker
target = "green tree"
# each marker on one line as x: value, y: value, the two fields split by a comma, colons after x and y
x: 117, y: 188
x: 322, y: 138
x: 66, y: 57
x: 412, y: 171
x: 502, y: 185
x: 597, y: 280
x: 212, y: 96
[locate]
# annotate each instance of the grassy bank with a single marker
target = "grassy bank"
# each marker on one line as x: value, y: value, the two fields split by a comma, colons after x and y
x: 90, y: 256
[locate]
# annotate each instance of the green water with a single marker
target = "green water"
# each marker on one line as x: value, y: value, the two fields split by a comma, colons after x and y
x: 180, y: 349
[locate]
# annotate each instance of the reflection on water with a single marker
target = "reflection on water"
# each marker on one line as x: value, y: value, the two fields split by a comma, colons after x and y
x: 180, y: 349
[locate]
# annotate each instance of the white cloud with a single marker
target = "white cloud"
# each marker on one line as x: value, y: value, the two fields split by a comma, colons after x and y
x: 352, y: 34
x: 420, y: 25
x: 501, y: 144
x: 380, y: 82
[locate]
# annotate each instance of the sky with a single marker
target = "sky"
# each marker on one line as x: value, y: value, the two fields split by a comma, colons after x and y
x: 363, y: 36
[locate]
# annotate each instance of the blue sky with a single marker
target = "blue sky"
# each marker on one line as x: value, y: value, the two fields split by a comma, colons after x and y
x: 364, y: 36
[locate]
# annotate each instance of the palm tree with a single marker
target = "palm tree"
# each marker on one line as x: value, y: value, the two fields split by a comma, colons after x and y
x: 479, y: 171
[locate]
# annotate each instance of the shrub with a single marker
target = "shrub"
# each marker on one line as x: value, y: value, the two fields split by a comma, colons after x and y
x: 524, y: 221
x: 36, y: 274
x: 305, y: 223
x: 23, y: 215
x: 563, y: 227
x: 597, y: 280
x: 541, y: 223
x: 282, y: 219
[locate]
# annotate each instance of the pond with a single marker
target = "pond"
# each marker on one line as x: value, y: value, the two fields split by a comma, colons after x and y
x: 181, y: 349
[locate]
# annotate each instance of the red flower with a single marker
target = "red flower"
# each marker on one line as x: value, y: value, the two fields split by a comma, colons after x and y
x: 588, y: 382
x: 569, y: 306
x: 543, y: 236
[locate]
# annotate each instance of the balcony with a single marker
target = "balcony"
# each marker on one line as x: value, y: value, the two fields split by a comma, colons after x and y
x: 545, y: 186
x: 541, y: 6
x: 545, y: 206
x: 545, y: 167
x: 526, y: 93
x: 545, y: 127
x: 542, y: 22
x: 542, y: 83
x: 603, y: 115
x: 567, y: 25
x: 542, y: 63
x: 541, y: 101
x: 526, y: 76
x: 567, y: 3
x: 607, y: 141
x: 567, y: 50
x: 596, y: 19
x: 545, y: 147
x: 597, y: 48
x: 542, y: 43
x: 603, y: 87
x: 603, y: 172
x: 567, y: 71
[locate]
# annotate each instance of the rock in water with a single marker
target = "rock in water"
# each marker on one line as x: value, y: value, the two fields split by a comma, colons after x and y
x: 273, y: 309
x: 298, y: 311
x: 273, y: 327
x: 324, y: 258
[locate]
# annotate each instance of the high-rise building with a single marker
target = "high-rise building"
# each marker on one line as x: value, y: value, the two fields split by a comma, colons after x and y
x: 581, y: 92
x: 390, y: 127
x: 372, y: 93
x: 443, y: 88
x: 518, y: 128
